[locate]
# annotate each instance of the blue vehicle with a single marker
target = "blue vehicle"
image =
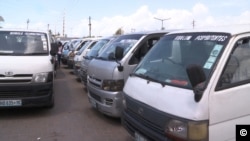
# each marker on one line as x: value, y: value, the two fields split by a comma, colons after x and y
x: 69, y: 46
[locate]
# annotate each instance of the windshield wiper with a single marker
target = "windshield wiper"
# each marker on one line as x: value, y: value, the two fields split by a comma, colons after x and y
x: 149, y: 79
x: 88, y: 57
x: 101, y: 58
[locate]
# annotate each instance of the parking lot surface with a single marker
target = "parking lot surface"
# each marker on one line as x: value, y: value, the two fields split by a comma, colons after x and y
x: 72, y: 118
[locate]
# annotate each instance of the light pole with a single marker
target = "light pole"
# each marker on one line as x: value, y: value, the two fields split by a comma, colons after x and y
x: 28, y: 21
x: 162, y: 20
x: 89, y: 26
x: 1, y: 20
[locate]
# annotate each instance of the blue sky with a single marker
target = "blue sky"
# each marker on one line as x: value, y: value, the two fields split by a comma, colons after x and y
x: 109, y: 15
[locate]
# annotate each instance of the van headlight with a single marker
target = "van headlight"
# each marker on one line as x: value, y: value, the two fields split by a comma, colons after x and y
x: 78, y: 63
x: 42, y: 77
x: 72, y: 54
x: 187, y: 131
x: 113, y: 85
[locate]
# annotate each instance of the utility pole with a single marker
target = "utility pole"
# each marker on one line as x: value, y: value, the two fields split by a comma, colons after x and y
x: 162, y: 20
x: 193, y: 23
x: 89, y: 26
x: 63, y: 22
x: 28, y: 21
x: 48, y: 27
x: 1, y: 20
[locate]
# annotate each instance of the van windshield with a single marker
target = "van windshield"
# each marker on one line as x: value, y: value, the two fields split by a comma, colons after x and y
x: 83, y: 45
x: 124, y: 41
x: 95, y: 49
x: 23, y: 43
x: 167, y: 61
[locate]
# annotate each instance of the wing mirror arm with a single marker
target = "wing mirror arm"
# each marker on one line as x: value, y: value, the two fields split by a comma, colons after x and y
x: 197, y: 79
x: 118, y: 56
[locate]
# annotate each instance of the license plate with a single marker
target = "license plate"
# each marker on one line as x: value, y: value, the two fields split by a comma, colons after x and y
x: 139, y: 137
x: 93, y: 103
x: 8, y: 103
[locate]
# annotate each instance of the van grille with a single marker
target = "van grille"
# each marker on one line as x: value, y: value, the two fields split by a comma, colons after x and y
x: 22, y: 93
x: 94, y: 81
x: 17, y: 78
x: 96, y: 97
x: 147, y: 117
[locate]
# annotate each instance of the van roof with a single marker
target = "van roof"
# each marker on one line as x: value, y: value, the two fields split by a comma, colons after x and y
x: 152, y: 32
x: 22, y: 30
x: 231, y: 29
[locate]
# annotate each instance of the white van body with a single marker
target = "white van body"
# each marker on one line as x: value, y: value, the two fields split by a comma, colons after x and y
x: 79, y: 56
x: 161, y: 102
x: 26, y: 72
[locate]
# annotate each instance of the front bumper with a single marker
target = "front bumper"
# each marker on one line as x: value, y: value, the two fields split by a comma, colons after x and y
x: 133, y: 125
x: 77, y: 71
x: 30, y: 95
x: 109, y: 103
x: 83, y: 76
x: 70, y: 62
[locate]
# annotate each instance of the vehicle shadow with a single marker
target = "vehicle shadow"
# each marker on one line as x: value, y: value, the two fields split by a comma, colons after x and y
x: 14, y: 113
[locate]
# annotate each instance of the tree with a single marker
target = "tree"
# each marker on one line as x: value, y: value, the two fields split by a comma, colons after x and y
x: 119, y: 31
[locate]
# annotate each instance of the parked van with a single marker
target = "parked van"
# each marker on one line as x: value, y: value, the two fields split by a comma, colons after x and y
x: 26, y: 72
x: 93, y: 52
x: 192, y: 86
x: 79, y: 56
x: 68, y: 48
x: 107, y: 73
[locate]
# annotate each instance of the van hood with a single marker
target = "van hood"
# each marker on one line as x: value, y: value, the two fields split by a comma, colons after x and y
x: 101, y: 69
x: 171, y: 100
x: 25, y: 64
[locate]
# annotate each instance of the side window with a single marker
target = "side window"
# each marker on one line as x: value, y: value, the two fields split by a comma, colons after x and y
x: 237, y: 69
x: 142, y: 51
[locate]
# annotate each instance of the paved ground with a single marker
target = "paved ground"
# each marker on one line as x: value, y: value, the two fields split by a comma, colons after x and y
x: 72, y: 118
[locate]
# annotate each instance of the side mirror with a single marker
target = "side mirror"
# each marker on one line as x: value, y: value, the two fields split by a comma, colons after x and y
x: 118, y: 56
x: 53, y: 49
x: 197, y: 78
x: 119, y: 53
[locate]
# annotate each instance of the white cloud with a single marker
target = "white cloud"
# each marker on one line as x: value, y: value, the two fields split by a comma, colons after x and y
x: 199, y: 10
x: 143, y: 19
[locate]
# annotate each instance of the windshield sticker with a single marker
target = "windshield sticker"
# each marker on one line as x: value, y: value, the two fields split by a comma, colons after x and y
x: 177, y: 82
x: 183, y: 38
x: 211, y: 59
x: 218, y: 38
x: 208, y: 65
x: 213, y: 55
x: 44, y: 43
x: 141, y: 71
x: 215, y: 52
x: 210, y: 62
x: 34, y: 34
x: 16, y: 33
